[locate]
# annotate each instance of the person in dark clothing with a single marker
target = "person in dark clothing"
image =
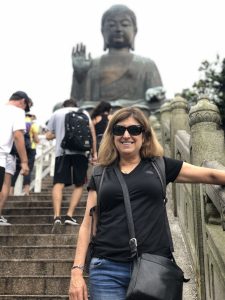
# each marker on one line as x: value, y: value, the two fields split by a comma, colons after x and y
x: 31, y: 140
x: 129, y: 143
x: 100, y: 117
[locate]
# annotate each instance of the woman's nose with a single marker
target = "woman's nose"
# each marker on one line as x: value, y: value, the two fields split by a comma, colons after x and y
x: 126, y: 134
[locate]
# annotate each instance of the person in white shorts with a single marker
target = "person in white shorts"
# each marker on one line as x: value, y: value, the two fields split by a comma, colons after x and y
x: 12, y: 126
x: 10, y: 169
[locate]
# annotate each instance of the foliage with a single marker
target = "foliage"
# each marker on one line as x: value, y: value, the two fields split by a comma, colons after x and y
x: 211, y: 83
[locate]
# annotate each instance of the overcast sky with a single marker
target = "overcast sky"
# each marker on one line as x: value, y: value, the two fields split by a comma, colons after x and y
x: 37, y: 37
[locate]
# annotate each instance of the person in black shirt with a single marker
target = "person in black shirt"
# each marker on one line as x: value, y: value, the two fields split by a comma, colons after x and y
x: 130, y: 142
x: 100, y: 117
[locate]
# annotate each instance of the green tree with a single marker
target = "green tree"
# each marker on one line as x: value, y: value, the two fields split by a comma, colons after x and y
x: 211, y: 83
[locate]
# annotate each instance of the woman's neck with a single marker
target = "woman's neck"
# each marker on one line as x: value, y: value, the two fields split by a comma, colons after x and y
x: 128, y: 165
x: 130, y: 161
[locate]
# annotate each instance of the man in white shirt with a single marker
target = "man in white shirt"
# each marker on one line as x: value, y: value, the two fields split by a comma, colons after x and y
x: 12, y: 126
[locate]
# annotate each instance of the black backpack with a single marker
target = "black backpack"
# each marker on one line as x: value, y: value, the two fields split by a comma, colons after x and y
x: 77, y: 132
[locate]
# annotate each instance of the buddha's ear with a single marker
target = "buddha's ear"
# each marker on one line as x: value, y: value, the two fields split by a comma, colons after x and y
x: 105, y: 47
x: 132, y: 42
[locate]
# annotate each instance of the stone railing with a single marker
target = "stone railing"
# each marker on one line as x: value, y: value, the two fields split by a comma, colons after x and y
x: 44, y: 165
x: 194, y: 135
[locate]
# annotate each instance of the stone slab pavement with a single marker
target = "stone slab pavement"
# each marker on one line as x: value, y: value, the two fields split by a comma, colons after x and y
x: 182, y: 256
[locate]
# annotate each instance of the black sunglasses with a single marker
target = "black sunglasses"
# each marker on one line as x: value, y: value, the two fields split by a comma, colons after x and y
x: 132, y: 129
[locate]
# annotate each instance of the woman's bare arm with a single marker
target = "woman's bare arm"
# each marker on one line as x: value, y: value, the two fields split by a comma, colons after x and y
x: 78, y: 288
x: 194, y: 174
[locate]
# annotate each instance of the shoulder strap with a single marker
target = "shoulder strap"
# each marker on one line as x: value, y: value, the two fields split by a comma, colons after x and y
x: 159, y: 166
x: 130, y: 221
x: 98, y: 174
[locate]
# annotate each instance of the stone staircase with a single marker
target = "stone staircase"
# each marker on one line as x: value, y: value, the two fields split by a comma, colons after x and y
x: 35, y: 262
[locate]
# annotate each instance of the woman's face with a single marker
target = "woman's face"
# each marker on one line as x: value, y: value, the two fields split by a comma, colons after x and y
x: 128, y: 144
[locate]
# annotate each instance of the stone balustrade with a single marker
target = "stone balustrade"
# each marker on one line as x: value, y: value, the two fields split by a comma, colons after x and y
x: 44, y: 165
x: 194, y: 134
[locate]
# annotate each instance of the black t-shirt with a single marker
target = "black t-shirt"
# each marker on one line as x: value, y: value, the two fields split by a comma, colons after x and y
x: 146, y: 196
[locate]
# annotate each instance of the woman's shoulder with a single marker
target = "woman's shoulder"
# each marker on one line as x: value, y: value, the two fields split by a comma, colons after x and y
x: 97, y: 119
x: 109, y: 116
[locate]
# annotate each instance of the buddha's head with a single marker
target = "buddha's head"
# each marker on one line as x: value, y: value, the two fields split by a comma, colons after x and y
x: 119, y: 27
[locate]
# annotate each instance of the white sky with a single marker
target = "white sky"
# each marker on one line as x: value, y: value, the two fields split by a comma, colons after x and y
x: 37, y: 37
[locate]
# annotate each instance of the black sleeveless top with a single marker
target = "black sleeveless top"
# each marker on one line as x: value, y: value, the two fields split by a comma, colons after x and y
x: 101, y: 126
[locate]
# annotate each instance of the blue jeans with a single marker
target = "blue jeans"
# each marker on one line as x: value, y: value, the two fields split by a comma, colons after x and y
x: 109, y: 280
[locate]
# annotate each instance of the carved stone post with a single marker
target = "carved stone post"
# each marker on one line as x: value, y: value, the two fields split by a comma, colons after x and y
x: 207, y: 143
x: 179, y: 121
x: 165, y: 117
x: 207, y: 137
x: 156, y: 127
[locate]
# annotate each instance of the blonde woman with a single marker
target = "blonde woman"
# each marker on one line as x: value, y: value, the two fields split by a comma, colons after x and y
x: 130, y: 143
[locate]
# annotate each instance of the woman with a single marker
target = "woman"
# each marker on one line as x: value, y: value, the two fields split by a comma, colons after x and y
x: 129, y: 142
x: 100, y: 118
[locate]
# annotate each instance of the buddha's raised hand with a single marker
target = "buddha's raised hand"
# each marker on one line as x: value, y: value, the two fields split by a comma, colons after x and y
x: 81, y: 63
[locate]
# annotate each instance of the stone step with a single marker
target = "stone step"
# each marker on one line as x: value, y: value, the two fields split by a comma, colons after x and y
x: 33, y: 204
x: 38, y: 252
x: 47, y: 193
x: 48, y: 186
x: 37, y: 229
x: 38, y: 211
x: 22, y: 201
x: 38, y: 239
x: 35, y: 263
x: 35, y: 197
x: 36, y: 219
x: 34, y: 297
x: 34, y: 285
x: 40, y: 267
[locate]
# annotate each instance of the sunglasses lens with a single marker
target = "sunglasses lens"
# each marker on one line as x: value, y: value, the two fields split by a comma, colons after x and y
x: 133, y: 130
x: 118, y: 130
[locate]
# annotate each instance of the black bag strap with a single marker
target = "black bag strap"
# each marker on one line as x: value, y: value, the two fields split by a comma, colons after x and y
x: 130, y: 222
x: 98, y: 174
x: 159, y: 166
x: 98, y: 182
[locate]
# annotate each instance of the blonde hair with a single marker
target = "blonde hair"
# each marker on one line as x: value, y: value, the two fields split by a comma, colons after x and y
x: 151, y: 147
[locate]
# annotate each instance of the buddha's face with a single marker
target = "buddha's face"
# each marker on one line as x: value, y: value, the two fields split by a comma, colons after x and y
x: 118, y: 31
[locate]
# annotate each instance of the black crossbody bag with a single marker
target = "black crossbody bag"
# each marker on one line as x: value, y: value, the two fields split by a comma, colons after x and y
x: 153, y: 277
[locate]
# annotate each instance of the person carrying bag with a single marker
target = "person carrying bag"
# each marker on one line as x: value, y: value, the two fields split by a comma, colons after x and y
x: 153, y: 277
x: 130, y: 146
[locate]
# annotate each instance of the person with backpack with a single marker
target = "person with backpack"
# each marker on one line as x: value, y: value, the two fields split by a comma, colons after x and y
x: 129, y: 150
x: 75, y: 143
